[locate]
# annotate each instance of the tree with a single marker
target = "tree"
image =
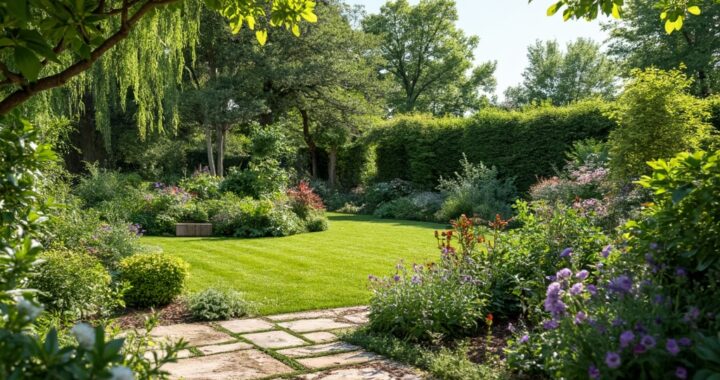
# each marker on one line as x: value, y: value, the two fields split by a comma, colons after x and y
x: 429, y: 58
x: 638, y: 42
x: 44, y: 44
x: 581, y: 72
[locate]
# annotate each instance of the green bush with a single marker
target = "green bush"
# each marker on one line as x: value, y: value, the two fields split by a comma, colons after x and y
x: 657, y: 118
x: 385, y: 192
x: 102, y: 185
x: 418, y: 206
x: 316, y: 223
x: 525, y: 144
x: 215, y: 304
x: 155, y: 279
x: 202, y: 185
x: 75, y: 282
x: 262, y: 177
x: 248, y: 217
x: 476, y: 190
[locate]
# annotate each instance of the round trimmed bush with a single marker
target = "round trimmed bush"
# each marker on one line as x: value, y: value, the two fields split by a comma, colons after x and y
x: 215, y: 304
x: 316, y: 223
x: 155, y: 279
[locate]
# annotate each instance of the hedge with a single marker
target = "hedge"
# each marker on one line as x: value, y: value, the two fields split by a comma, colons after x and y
x: 525, y: 144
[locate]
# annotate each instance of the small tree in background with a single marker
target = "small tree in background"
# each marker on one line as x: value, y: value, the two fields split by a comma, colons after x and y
x: 657, y: 118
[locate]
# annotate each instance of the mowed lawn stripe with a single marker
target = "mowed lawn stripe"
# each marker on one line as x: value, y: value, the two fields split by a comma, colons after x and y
x: 306, y: 271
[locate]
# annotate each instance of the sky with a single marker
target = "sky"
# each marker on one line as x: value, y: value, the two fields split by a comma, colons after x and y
x: 506, y: 28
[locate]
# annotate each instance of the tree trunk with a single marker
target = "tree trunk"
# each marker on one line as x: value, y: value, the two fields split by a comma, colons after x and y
x: 332, y: 167
x: 312, y: 147
x: 210, y: 155
x: 221, y: 130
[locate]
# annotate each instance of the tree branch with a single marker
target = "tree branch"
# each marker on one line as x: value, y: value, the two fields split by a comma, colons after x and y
x: 20, y: 96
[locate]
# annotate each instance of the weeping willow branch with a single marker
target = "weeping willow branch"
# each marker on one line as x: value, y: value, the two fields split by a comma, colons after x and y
x: 27, y: 91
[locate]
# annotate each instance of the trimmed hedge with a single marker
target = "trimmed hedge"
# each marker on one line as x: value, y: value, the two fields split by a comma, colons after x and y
x: 525, y: 144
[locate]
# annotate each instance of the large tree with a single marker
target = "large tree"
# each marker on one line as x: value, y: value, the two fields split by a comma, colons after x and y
x: 639, y: 41
x: 581, y: 71
x: 429, y: 58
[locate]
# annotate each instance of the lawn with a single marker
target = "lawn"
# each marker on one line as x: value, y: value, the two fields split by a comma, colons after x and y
x: 306, y: 271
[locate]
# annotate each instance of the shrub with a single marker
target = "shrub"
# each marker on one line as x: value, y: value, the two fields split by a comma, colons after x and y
x: 214, y: 304
x: 304, y: 201
x: 385, y: 192
x: 418, y: 206
x: 102, y: 185
x: 162, y: 208
x: 155, y: 279
x: 316, y: 223
x: 657, y: 118
x: 262, y: 177
x: 476, y: 190
x: 75, y: 282
x: 202, y: 185
x: 247, y: 217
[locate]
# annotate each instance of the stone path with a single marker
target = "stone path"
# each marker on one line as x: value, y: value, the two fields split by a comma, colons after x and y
x: 288, y: 346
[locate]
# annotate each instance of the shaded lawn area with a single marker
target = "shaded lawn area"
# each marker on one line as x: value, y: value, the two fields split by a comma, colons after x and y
x: 307, y: 271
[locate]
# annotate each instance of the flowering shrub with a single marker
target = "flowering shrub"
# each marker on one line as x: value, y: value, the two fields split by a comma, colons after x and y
x: 304, y: 201
x: 202, y: 185
x: 154, y: 279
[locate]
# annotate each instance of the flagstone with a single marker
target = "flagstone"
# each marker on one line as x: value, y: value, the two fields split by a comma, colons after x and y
x: 371, y: 372
x: 185, y: 353
x: 321, y: 337
x: 238, y: 365
x: 359, y: 318
x: 346, y: 358
x: 193, y: 334
x: 241, y: 326
x: 220, y: 348
x: 298, y: 352
x: 274, y: 339
x: 330, y: 313
x: 308, y: 325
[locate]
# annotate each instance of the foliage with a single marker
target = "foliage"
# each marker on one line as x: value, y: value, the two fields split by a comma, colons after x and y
x: 429, y: 58
x: 316, y: 223
x: 420, y: 149
x: 304, y: 201
x: 161, y: 208
x: 445, y: 363
x: 382, y: 192
x: 561, y: 78
x: 202, y: 185
x: 102, y: 185
x: 261, y: 177
x: 656, y: 118
x: 418, y: 206
x: 217, y: 304
x: 154, y: 279
x: 247, y: 217
x: 76, y: 283
x: 476, y: 190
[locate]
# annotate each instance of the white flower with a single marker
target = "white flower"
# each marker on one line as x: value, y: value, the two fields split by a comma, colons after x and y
x: 84, y: 334
x: 121, y: 373
x: 29, y: 309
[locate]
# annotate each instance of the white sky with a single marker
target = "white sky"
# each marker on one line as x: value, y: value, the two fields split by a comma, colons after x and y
x: 506, y: 28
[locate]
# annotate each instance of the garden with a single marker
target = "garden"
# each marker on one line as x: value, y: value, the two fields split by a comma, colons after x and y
x: 211, y: 164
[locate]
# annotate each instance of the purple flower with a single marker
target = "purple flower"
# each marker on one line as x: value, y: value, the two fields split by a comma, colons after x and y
x: 551, y: 278
x: 685, y: 342
x: 580, y: 317
x: 550, y: 324
x: 626, y: 338
x: 618, y: 322
x: 606, y: 251
x: 658, y: 299
x: 577, y: 289
x: 692, y: 314
x: 524, y: 339
x: 639, y: 349
x: 582, y: 275
x: 648, y: 341
x: 415, y: 279
x: 672, y: 347
x: 555, y: 306
x: 563, y: 274
x: 621, y: 284
x: 612, y: 359
x: 681, y: 373
x: 680, y: 272
x: 592, y: 289
x: 396, y: 278
x: 593, y: 372
x: 553, y: 290
x: 567, y: 252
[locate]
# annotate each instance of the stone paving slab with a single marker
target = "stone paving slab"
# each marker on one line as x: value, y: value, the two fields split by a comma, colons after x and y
x: 238, y: 365
x: 321, y: 337
x: 326, y: 348
x: 359, y: 318
x: 193, y: 334
x: 182, y: 354
x: 372, y: 371
x: 346, y: 358
x: 330, y: 313
x: 241, y: 326
x: 274, y: 339
x: 308, y: 325
x: 220, y: 348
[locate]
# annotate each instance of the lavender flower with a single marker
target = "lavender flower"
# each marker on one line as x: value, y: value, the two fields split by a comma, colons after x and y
x: 524, y: 339
x: 592, y: 289
x: 550, y: 324
x: 606, y: 251
x: 672, y: 347
x: 618, y: 322
x: 626, y: 338
x: 621, y: 284
x: 563, y: 274
x: 415, y: 279
x: 685, y: 342
x: 593, y: 372
x: 648, y: 341
x: 396, y: 278
x: 582, y: 275
x: 580, y: 317
x: 577, y: 289
x: 681, y: 373
x: 639, y: 349
x: 612, y: 359
x: 567, y: 252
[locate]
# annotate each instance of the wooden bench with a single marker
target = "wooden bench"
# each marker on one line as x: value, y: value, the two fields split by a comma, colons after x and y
x: 193, y: 229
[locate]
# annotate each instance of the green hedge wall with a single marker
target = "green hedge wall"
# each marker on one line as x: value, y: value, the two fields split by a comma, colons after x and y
x: 525, y: 144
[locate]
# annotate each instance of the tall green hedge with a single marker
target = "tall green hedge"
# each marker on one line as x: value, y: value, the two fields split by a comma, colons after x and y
x: 525, y: 144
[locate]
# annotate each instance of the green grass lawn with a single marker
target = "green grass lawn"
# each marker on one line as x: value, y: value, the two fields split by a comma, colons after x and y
x: 306, y: 271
